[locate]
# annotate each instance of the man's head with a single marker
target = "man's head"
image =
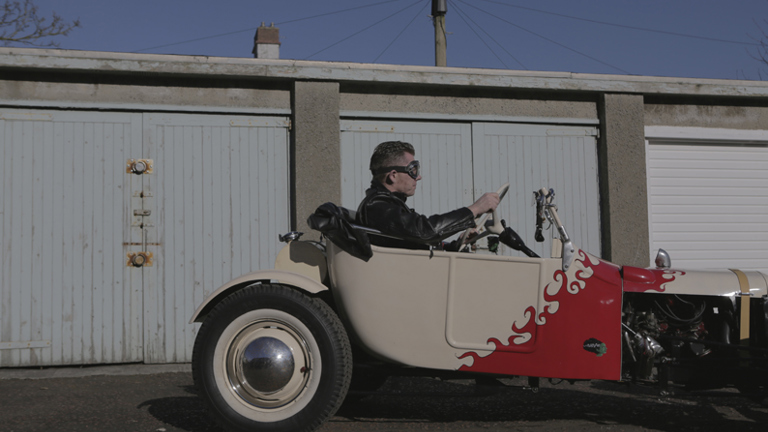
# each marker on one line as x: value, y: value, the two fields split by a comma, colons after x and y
x: 393, y: 165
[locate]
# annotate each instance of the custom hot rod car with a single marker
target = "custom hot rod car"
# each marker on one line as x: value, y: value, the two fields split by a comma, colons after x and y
x: 275, y: 349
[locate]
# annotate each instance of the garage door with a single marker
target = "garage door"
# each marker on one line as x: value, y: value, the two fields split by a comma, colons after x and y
x: 708, y: 200
x: 218, y: 197
x: 461, y: 161
x: 71, y: 214
x: 66, y: 294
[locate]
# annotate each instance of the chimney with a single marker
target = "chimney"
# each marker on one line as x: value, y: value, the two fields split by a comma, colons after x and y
x: 266, y: 43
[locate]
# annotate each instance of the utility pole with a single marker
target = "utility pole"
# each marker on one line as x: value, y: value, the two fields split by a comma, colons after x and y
x: 439, y: 7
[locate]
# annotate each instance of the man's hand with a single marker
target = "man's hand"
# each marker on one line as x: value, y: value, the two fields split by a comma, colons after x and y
x: 489, y: 201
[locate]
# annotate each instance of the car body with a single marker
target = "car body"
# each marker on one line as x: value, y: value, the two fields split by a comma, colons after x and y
x: 570, y: 316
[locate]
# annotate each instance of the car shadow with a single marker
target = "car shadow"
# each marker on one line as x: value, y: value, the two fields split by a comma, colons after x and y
x: 183, y: 412
x: 601, y: 404
x: 413, y: 402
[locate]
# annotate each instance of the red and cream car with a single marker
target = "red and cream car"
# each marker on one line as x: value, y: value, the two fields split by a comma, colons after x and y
x: 275, y: 349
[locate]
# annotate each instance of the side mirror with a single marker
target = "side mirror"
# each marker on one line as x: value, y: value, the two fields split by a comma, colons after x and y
x: 663, y: 261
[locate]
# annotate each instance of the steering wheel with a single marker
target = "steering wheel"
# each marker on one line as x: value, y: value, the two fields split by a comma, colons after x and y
x: 482, y: 229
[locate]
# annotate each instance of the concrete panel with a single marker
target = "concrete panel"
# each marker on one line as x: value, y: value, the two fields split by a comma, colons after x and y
x: 711, y: 116
x: 67, y: 94
x: 467, y: 106
x: 315, y: 147
x: 623, y: 189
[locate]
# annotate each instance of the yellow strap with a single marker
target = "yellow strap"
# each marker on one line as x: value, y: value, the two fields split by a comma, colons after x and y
x: 744, y: 323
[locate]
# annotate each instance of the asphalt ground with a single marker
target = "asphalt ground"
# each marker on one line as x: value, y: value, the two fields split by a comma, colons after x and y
x: 163, y: 399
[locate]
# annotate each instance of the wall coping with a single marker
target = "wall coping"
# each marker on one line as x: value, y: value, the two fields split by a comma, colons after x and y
x: 251, y: 68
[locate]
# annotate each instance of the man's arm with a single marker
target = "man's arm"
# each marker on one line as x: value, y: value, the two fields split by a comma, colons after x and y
x: 395, y: 219
x: 488, y: 202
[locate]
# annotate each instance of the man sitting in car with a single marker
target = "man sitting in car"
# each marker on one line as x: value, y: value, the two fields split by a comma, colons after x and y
x: 395, y: 173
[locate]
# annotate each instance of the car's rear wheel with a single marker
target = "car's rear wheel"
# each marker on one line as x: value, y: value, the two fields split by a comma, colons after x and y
x: 271, y: 358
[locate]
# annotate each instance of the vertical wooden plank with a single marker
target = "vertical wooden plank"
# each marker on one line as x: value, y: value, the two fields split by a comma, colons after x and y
x: 183, y: 332
x: 57, y: 259
x: 6, y: 176
x: 261, y: 196
x: 235, y: 200
x: 207, y: 244
x: 110, y: 241
x: 133, y: 292
x: 226, y: 174
x: 34, y: 290
x: 13, y: 212
x: 245, y: 186
x: 98, y: 202
x: 219, y: 146
x: 86, y: 237
x: 46, y: 251
x: 174, y: 335
x: 22, y: 299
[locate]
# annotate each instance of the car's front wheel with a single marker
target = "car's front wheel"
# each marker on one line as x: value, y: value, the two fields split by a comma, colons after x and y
x: 271, y: 358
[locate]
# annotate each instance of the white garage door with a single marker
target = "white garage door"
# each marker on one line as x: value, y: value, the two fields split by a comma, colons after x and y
x: 708, y: 199
x: 70, y: 214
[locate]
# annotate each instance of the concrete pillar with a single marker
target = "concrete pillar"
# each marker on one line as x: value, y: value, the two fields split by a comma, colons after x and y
x: 315, y: 150
x: 623, y: 186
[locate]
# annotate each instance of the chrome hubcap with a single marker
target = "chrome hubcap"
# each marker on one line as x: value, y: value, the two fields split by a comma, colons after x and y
x: 268, y: 364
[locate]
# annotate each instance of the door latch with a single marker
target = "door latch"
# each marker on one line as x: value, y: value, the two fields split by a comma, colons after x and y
x: 139, y: 259
x: 139, y: 166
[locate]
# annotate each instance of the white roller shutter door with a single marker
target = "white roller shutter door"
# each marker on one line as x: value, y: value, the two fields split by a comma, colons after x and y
x: 708, y: 203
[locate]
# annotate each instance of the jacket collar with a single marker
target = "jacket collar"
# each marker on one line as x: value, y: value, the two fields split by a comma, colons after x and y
x: 377, y: 187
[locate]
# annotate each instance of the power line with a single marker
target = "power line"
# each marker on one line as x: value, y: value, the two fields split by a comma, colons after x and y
x: 401, y: 31
x: 360, y: 31
x: 461, y: 12
x: 623, y: 25
x: 548, y: 39
x: 337, y: 12
x: 254, y: 28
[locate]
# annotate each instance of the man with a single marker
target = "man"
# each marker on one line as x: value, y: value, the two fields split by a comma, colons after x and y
x: 395, y: 174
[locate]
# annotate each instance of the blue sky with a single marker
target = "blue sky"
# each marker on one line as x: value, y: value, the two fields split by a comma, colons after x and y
x: 625, y: 37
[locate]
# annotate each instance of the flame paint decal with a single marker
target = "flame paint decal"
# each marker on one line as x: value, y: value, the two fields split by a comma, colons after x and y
x: 657, y: 280
x: 582, y: 304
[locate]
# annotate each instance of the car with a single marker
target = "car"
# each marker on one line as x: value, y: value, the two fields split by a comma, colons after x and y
x: 278, y: 349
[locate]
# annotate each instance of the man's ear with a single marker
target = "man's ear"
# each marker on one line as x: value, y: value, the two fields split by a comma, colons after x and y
x: 388, y: 179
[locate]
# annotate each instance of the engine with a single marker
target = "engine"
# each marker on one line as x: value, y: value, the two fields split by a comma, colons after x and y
x: 670, y: 330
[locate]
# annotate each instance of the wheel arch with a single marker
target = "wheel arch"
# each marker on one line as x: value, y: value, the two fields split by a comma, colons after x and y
x: 285, y: 278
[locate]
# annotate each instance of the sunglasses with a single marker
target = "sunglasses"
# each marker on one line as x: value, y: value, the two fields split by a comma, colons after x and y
x: 412, y: 169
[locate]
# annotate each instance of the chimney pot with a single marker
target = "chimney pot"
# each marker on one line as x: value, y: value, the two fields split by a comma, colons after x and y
x: 266, y: 42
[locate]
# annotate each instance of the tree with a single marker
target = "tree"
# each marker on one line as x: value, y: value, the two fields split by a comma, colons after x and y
x: 20, y: 23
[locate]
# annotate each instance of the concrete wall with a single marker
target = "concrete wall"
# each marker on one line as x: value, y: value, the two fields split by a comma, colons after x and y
x: 315, y: 149
x: 472, y: 105
x: 143, y: 94
x: 715, y: 116
x: 623, y: 189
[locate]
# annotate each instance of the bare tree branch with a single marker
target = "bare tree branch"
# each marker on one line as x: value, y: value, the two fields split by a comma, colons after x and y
x: 20, y: 23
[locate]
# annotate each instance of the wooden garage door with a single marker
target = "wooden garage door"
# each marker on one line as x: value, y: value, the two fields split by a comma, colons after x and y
x: 66, y: 294
x: 461, y: 161
x: 219, y: 199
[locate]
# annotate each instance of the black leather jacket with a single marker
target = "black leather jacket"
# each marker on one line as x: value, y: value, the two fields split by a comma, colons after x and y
x: 387, y: 212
